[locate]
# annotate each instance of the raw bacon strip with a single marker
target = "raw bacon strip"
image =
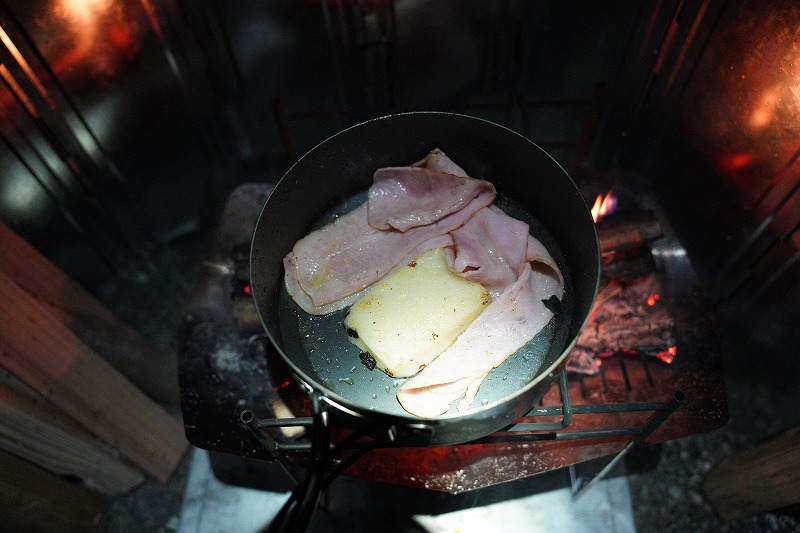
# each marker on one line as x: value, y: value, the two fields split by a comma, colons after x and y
x: 402, y: 198
x: 304, y: 300
x: 505, y: 326
x: 329, y: 266
x: 537, y: 253
x: 491, y: 249
x: 349, y: 255
x: 436, y: 160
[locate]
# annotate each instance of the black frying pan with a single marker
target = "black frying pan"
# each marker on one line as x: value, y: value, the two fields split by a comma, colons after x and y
x: 332, y: 178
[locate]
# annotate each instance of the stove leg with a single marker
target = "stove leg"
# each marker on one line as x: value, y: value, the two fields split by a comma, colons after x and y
x: 655, y: 421
x: 579, y: 487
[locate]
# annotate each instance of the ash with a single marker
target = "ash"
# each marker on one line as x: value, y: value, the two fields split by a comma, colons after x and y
x: 227, y: 359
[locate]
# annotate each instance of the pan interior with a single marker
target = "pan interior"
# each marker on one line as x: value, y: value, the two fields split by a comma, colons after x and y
x: 321, y: 343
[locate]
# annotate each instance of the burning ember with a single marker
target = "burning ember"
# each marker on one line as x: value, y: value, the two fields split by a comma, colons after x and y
x: 604, y: 205
x: 629, y: 317
x: 668, y: 355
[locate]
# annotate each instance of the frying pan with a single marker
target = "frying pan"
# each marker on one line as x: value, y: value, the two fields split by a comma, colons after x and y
x: 332, y: 178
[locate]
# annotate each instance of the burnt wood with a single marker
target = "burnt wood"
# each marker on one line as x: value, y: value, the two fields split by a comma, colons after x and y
x: 629, y: 230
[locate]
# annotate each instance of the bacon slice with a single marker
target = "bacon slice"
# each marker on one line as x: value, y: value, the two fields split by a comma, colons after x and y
x: 437, y: 160
x: 302, y: 298
x: 537, y: 253
x: 402, y: 198
x: 491, y: 249
x: 505, y: 326
x: 328, y: 267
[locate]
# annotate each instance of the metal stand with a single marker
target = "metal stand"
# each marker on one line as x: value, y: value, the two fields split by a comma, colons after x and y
x: 523, y: 431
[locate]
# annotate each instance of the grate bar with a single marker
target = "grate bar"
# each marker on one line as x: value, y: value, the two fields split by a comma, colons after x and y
x: 520, y: 432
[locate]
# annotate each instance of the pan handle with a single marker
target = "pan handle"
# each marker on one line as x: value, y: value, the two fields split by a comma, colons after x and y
x: 296, y: 513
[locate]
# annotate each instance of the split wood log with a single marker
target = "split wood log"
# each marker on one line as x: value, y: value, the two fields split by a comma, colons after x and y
x: 152, y: 369
x: 39, y: 350
x: 628, y: 231
x: 32, y: 499
x: 763, y: 478
x: 34, y: 429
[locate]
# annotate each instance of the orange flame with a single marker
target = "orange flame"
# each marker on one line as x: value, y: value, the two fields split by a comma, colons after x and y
x: 668, y: 355
x: 604, y: 205
x: 653, y: 299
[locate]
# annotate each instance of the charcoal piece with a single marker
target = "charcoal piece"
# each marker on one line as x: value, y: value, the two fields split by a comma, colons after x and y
x: 583, y: 361
x: 628, y: 316
x: 630, y: 263
x: 367, y: 360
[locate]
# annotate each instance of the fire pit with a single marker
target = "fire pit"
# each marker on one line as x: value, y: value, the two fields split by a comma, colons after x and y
x: 654, y: 373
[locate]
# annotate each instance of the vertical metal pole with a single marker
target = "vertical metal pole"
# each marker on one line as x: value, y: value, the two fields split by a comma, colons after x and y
x: 587, y: 133
x: 283, y: 126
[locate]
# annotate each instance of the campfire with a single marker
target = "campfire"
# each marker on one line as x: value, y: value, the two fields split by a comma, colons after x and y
x: 629, y: 315
x: 604, y: 204
x: 618, y: 385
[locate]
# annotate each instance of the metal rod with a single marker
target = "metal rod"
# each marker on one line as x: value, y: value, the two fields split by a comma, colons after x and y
x: 659, y: 416
x: 248, y: 419
x: 285, y: 422
x: 557, y: 435
x: 595, y: 107
x: 521, y: 432
x: 524, y: 431
x: 640, y: 437
x: 621, y: 357
x: 298, y: 509
x: 643, y: 359
x: 545, y: 104
x: 283, y: 126
x: 565, y: 398
x: 605, y: 470
x: 620, y: 407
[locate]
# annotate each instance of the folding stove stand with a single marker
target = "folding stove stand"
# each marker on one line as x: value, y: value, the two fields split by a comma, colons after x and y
x: 525, y: 430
